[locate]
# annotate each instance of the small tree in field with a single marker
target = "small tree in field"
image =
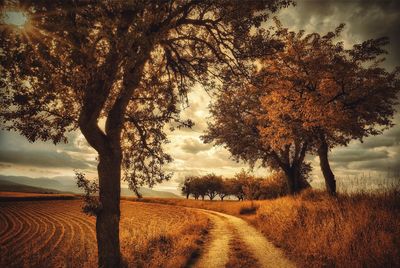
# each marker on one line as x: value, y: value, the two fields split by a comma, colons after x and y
x: 237, y: 188
x: 187, y: 186
x: 273, y: 186
x: 227, y: 189
x: 250, y: 184
x: 79, y: 64
x: 198, y: 187
x: 213, y: 185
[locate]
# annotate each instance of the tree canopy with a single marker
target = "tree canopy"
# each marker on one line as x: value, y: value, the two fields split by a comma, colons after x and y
x: 126, y: 65
x: 310, y: 96
x: 325, y: 93
x: 117, y: 71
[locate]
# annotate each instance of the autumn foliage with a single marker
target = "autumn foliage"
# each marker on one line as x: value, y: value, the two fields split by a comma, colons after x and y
x: 308, y: 97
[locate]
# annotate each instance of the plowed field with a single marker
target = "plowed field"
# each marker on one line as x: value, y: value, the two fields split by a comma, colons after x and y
x: 57, y: 234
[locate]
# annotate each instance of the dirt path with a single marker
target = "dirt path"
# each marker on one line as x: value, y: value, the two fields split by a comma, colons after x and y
x: 216, y: 253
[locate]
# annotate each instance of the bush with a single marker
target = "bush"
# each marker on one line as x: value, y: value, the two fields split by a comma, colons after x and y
x: 248, y: 209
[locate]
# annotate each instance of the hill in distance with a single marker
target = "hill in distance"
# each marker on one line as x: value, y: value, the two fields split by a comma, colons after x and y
x: 9, y: 186
x: 63, y: 184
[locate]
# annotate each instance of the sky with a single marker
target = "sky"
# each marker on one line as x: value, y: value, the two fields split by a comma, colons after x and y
x: 376, y: 156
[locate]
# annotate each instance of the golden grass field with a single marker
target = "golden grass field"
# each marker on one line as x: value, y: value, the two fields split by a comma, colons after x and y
x: 57, y: 234
x: 315, y: 230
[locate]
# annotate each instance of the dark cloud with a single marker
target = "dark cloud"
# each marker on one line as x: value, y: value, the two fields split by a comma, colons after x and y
x: 357, y: 155
x: 42, y: 159
x: 388, y: 139
x: 364, y: 19
x: 386, y: 165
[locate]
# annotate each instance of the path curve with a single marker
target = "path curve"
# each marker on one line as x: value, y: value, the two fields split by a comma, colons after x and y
x: 225, y: 227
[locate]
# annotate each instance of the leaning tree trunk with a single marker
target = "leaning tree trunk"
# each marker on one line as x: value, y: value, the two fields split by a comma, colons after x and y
x: 107, y: 222
x: 330, y: 181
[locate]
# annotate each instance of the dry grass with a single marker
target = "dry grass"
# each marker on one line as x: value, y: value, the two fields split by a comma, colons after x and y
x: 227, y: 206
x: 154, y: 236
x: 357, y: 230
x: 58, y: 234
x: 240, y: 256
x: 360, y: 230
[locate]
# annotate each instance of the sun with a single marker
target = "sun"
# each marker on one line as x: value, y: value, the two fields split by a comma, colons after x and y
x: 15, y: 18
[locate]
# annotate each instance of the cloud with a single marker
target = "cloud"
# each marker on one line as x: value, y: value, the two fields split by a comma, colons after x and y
x: 16, y: 150
x: 357, y: 155
x: 386, y: 165
x: 43, y: 159
x: 193, y: 146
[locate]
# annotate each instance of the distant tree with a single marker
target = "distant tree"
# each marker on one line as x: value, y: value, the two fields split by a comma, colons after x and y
x: 273, y: 186
x: 237, y: 188
x: 187, y: 187
x: 213, y: 185
x: 237, y: 184
x: 250, y: 184
x: 198, y: 187
x: 78, y: 64
x: 325, y: 93
x: 226, y: 189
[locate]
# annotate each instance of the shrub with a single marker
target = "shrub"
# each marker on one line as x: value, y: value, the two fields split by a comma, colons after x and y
x: 248, y: 209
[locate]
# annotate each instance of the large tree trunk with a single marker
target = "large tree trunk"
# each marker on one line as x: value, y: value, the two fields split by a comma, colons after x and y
x: 290, y: 181
x: 330, y: 181
x: 107, y: 223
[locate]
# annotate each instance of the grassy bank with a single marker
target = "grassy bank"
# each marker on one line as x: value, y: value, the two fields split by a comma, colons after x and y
x: 357, y: 230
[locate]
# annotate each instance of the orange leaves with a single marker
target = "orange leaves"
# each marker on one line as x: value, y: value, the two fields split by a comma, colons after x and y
x: 315, y: 85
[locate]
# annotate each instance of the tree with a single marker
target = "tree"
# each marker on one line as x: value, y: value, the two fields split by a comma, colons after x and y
x: 187, y: 187
x: 237, y: 123
x: 237, y: 189
x: 238, y: 181
x: 250, y: 185
x: 226, y: 189
x: 310, y: 96
x: 82, y: 64
x: 199, y: 187
x: 331, y: 94
x: 213, y: 185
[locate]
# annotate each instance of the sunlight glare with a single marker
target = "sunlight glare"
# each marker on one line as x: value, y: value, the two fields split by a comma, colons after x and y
x: 15, y: 18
